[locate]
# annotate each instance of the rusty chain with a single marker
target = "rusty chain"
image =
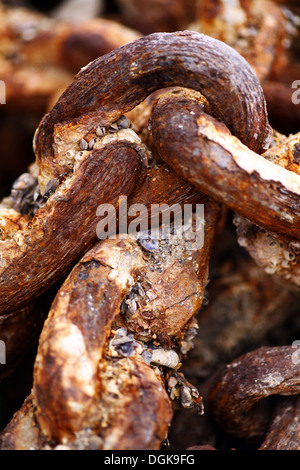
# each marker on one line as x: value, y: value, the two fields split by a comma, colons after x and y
x: 124, y: 317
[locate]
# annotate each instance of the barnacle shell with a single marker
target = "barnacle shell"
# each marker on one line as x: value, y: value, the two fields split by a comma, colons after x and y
x: 165, y: 357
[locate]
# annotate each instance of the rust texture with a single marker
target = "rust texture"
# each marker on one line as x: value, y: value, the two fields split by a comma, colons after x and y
x: 20, y: 330
x: 85, y: 322
x: 156, y: 61
x: 141, y: 77
x: 254, y: 28
x: 213, y: 159
x: 22, y: 432
x: 148, y: 341
x: 277, y: 256
x: 284, y: 432
x: 239, y: 313
x: 59, y: 233
x: 32, y: 76
x: 266, y: 33
x: 158, y: 15
x: 163, y: 186
x: 93, y: 384
x: 236, y: 399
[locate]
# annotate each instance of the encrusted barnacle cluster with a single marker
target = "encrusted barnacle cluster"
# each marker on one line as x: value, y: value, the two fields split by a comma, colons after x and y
x: 121, y: 123
x: 26, y: 197
x: 180, y: 389
x: 124, y: 344
x: 276, y: 255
